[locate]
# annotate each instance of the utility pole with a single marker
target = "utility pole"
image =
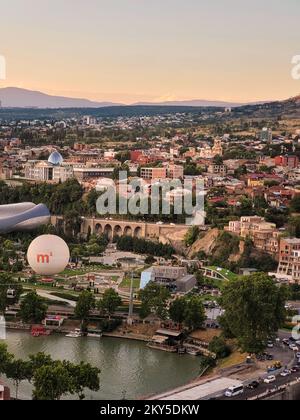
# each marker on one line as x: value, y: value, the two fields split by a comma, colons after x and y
x: 130, y: 313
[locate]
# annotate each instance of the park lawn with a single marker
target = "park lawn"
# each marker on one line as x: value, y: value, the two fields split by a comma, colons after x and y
x: 90, y: 269
x: 236, y: 358
x: 127, y: 282
x: 205, y: 335
x: 76, y: 272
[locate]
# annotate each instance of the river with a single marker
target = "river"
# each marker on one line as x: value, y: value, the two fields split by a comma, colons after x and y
x: 129, y: 369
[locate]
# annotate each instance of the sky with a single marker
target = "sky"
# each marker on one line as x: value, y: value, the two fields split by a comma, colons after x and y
x: 152, y: 50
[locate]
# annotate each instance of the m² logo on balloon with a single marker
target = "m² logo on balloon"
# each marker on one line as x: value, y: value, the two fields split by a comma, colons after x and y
x: 43, y: 258
x: 48, y: 255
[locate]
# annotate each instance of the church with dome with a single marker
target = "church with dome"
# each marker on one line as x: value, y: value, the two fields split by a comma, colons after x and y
x: 53, y: 170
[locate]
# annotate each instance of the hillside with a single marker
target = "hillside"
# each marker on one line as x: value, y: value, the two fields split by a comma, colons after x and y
x: 289, y: 108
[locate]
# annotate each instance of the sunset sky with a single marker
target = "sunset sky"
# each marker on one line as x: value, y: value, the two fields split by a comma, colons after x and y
x: 152, y: 50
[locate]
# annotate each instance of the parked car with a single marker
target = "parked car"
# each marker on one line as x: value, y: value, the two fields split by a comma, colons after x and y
x: 295, y: 369
x: 285, y: 373
x: 253, y: 385
x: 270, y: 379
x: 270, y: 344
x: 275, y: 366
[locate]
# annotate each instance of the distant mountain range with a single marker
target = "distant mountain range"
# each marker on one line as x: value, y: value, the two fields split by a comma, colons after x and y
x: 198, y: 103
x: 12, y: 97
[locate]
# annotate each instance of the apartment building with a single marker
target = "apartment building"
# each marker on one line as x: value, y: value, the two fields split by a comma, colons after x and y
x: 289, y: 260
x: 171, y: 171
x: 264, y: 235
x: 84, y: 173
x: 153, y: 173
x: 175, y: 171
x: 217, y: 170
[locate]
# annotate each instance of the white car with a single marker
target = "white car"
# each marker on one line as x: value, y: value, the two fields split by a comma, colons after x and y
x: 270, y: 379
x: 285, y: 373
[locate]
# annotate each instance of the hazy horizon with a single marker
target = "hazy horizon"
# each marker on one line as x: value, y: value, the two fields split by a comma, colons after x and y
x: 131, y: 51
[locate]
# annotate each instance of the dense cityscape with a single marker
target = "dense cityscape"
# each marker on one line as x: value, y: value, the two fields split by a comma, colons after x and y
x: 195, y: 290
x: 149, y: 243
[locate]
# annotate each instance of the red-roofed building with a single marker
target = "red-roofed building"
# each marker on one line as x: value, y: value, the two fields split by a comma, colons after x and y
x: 287, y: 161
x: 135, y: 155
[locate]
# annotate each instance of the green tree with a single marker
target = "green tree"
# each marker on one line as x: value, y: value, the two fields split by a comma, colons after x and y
x: 85, y: 304
x: 123, y: 156
x: 254, y: 310
x: 192, y: 235
x: 294, y: 226
x: 55, y: 379
x: 219, y: 347
x: 200, y: 278
x: 218, y: 160
x: 177, y: 310
x: 18, y: 370
x: 154, y: 300
x: 295, y: 204
x: 52, y: 382
x: 110, y: 302
x: 33, y: 308
x: 194, y: 313
x: 39, y: 360
x: 84, y: 376
x: 118, y: 169
x: 73, y: 221
x: 5, y: 357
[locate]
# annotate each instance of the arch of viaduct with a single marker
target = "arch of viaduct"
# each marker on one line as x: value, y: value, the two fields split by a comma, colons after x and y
x: 116, y: 228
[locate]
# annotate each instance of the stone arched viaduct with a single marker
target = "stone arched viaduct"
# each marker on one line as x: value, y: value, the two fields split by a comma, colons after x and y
x: 113, y: 228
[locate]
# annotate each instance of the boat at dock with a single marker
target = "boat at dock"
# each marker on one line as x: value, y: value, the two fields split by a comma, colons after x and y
x: 75, y: 334
x: 193, y: 352
x: 94, y: 334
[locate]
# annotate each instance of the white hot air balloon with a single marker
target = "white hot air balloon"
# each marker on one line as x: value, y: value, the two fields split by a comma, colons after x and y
x: 48, y: 255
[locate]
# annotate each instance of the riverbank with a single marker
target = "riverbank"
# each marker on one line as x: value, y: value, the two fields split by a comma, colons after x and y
x: 134, y: 337
x: 129, y: 369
